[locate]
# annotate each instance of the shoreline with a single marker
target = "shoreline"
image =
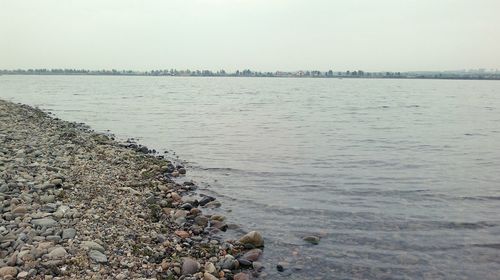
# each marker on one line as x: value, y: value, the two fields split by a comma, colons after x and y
x: 277, y: 77
x: 77, y: 204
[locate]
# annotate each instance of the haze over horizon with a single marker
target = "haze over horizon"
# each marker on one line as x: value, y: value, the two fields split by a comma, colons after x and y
x: 288, y: 35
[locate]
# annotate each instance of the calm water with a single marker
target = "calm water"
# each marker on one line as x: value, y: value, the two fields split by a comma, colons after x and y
x: 400, y: 177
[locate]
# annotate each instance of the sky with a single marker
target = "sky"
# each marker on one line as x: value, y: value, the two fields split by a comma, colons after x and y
x: 262, y: 35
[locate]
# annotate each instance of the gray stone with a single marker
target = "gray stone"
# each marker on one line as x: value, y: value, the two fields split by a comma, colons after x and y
x: 53, y: 238
x: 57, y: 253
x: 44, y: 222
x: 98, y: 256
x: 69, y: 233
x: 190, y: 266
x: 91, y: 245
x: 47, y: 198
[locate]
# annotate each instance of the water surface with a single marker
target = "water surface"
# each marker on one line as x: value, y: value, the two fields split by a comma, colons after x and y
x: 399, y: 177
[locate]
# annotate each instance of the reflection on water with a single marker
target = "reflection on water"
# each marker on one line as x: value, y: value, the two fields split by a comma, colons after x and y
x: 399, y: 177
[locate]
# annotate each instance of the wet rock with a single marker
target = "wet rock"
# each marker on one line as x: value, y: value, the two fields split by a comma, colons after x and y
x: 97, y: 256
x: 257, y: 266
x: 244, y: 262
x: 228, y: 262
x: 182, y: 170
x: 312, y: 239
x: 213, y: 204
x: 206, y: 199
x: 186, y: 206
x: 253, y: 238
x: 252, y: 255
x: 201, y: 221
x: 241, y: 276
x: 190, y: 266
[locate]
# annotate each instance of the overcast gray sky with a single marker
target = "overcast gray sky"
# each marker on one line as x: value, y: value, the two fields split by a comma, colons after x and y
x: 267, y: 35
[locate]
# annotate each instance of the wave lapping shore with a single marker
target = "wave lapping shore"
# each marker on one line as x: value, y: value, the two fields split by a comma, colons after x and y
x: 76, y: 204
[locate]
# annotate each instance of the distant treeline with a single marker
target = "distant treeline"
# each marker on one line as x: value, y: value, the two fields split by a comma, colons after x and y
x: 484, y: 75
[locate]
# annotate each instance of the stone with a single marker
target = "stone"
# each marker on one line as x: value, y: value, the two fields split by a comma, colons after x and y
x: 182, y: 233
x: 57, y: 253
x: 175, y: 196
x: 22, y: 274
x: 56, y: 182
x: 206, y: 199
x: 241, y: 276
x: 220, y: 218
x: 252, y: 255
x: 201, y: 221
x: 219, y: 225
x: 257, y: 266
x: 213, y: 204
x: 69, y: 233
x: 187, y: 206
x: 44, y: 222
x: 182, y: 170
x: 98, y: 256
x: 190, y: 266
x: 180, y: 214
x: 20, y: 210
x: 253, y: 238
x: 210, y: 267
x: 208, y: 276
x: 8, y: 271
x: 47, y: 198
x: 53, y: 238
x: 228, y: 262
x: 91, y: 245
x: 61, y: 211
x: 311, y: 239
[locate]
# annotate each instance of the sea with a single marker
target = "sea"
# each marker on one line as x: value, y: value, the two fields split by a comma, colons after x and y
x: 399, y: 178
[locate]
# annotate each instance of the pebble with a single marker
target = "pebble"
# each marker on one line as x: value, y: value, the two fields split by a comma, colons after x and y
x: 253, y: 238
x: 69, y: 233
x: 208, y: 276
x: 190, y: 266
x: 57, y: 253
x: 252, y: 255
x: 8, y: 271
x: 91, y: 245
x: 182, y: 233
x: 22, y: 274
x: 210, y: 267
x: 98, y: 256
x: 44, y: 222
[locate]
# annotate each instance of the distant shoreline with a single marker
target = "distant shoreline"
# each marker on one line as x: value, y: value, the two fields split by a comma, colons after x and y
x: 240, y: 76
x: 330, y: 74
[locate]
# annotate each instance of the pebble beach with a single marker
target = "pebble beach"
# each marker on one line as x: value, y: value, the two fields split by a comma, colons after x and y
x: 76, y: 204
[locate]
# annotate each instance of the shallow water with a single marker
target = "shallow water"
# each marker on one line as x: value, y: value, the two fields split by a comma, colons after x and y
x: 399, y: 177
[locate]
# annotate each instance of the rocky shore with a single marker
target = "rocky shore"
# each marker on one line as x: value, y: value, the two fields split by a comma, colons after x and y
x: 76, y: 204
